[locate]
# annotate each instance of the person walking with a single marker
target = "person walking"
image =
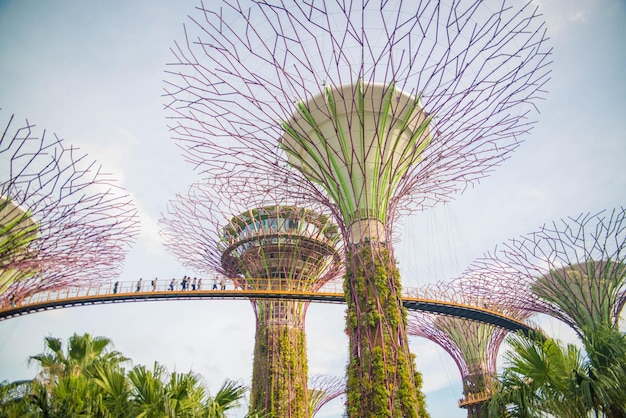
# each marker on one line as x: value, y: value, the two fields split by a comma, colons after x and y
x: 172, y: 285
x: 139, y: 286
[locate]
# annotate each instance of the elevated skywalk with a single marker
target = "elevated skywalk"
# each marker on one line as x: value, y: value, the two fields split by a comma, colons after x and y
x: 415, y: 299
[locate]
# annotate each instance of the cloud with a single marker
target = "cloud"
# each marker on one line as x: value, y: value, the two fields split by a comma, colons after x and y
x: 559, y: 20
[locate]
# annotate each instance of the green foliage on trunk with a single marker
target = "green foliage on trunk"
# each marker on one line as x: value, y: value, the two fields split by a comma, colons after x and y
x: 381, y: 373
x: 280, y: 370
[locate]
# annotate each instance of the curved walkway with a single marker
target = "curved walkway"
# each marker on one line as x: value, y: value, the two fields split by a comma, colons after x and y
x: 413, y: 299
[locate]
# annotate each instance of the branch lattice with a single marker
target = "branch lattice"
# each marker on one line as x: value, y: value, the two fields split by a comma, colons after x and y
x: 64, y: 222
x: 244, y: 67
x: 323, y: 389
x: 572, y: 269
x: 263, y: 244
x: 373, y: 109
x: 472, y: 345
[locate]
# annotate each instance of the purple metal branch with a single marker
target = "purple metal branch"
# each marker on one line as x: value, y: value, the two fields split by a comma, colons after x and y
x: 75, y: 223
x: 244, y: 66
x: 572, y: 269
x: 323, y: 389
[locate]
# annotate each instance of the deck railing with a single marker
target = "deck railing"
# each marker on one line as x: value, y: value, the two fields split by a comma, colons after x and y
x: 162, y: 289
x: 474, y: 398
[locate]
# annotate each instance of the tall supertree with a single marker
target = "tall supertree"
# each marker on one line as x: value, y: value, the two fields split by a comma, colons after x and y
x: 323, y: 389
x: 275, y: 247
x: 573, y: 269
x: 63, y: 222
x: 374, y: 108
x: 472, y: 345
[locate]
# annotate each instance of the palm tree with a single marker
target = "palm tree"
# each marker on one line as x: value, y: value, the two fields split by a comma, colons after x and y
x: 77, y: 396
x: 67, y: 384
x: 539, y: 380
x: 227, y: 397
x: 14, y: 398
x: 157, y: 393
x: 84, y: 352
x: 185, y: 395
x: 87, y: 380
x: 148, y: 392
x: 545, y: 377
x: 604, y: 383
x: 115, y: 388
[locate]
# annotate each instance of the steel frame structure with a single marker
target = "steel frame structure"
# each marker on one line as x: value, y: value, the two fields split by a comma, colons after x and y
x: 473, y: 346
x: 572, y: 269
x: 262, y: 246
x: 323, y: 389
x: 373, y: 109
x: 63, y: 221
x: 413, y: 299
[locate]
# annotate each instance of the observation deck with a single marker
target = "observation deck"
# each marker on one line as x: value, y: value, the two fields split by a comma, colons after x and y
x: 472, y: 399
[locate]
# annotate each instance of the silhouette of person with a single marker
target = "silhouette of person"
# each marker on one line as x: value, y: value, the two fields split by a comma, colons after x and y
x: 115, y: 287
x: 139, y: 285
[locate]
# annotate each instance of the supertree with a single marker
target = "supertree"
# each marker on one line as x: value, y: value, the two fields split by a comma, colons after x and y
x: 374, y: 108
x: 472, y: 345
x: 572, y: 269
x: 323, y: 389
x: 63, y: 222
x: 262, y: 245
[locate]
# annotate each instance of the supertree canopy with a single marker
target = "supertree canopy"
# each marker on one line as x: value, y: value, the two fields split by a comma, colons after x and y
x: 373, y: 108
x: 473, y: 346
x: 274, y: 248
x: 572, y: 269
x: 63, y: 222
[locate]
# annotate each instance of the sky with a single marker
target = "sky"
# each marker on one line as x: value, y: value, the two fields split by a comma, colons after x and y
x: 93, y: 72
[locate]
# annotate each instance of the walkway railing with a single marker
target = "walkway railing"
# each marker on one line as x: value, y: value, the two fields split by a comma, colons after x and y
x: 413, y: 298
x: 474, y: 398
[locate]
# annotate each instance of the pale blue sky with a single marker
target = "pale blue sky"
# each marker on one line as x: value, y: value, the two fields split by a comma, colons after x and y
x: 92, y: 72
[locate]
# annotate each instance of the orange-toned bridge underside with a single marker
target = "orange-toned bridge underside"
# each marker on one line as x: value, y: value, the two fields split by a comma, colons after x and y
x: 413, y: 299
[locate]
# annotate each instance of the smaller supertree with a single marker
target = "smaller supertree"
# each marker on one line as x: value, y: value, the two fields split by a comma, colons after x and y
x: 473, y: 346
x: 572, y: 269
x: 278, y: 247
x: 63, y: 222
x: 323, y: 389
